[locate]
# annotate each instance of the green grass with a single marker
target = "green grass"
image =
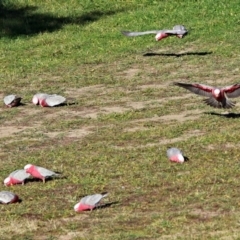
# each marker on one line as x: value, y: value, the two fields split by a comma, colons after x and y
x: 126, y: 113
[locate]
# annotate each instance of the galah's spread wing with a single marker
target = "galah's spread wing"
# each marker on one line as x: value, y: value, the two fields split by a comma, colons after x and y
x: 54, y: 100
x: 20, y: 174
x: 196, y: 88
x: 92, y: 200
x: 45, y: 172
x: 6, y: 197
x: 232, y: 91
x: 134, y: 34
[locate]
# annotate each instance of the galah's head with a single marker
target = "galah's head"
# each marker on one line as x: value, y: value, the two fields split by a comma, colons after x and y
x: 35, y: 100
x: 27, y: 167
x: 7, y: 181
x: 180, y: 158
x: 77, y: 207
x: 216, y: 92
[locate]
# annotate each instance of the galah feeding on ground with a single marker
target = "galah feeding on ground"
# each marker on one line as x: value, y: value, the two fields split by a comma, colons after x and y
x: 16, y: 177
x: 179, y: 31
x: 89, y: 202
x: 218, y: 97
x: 8, y: 197
x: 47, y: 100
x: 175, y: 155
x: 40, y: 172
x: 12, y: 100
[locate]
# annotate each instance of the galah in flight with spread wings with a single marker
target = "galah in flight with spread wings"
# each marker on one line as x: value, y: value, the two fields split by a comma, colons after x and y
x: 8, y: 197
x: 89, y: 202
x: 179, y: 31
x: 175, y: 155
x: 218, y: 97
x: 12, y: 100
x: 40, y: 172
x: 16, y: 177
x: 47, y: 100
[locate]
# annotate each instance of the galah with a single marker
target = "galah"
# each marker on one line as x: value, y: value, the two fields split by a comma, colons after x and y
x: 218, y: 97
x: 8, y: 197
x: 175, y: 155
x: 89, y: 202
x: 16, y: 177
x: 12, y: 100
x: 40, y: 172
x: 179, y: 31
x: 47, y: 100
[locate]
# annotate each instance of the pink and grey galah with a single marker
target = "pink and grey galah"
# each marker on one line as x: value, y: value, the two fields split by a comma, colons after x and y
x: 17, y: 177
x: 175, y: 155
x: 179, y: 31
x: 47, y: 100
x: 40, y: 172
x: 89, y: 202
x: 218, y: 97
x: 12, y: 100
x: 8, y: 197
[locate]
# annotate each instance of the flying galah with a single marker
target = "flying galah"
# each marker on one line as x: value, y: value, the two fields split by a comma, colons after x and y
x: 47, y: 100
x: 16, y: 177
x: 12, y: 100
x: 179, y: 31
x: 40, y: 172
x: 175, y: 155
x: 8, y: 197
x: 89, y: 202
x: 218, y: 97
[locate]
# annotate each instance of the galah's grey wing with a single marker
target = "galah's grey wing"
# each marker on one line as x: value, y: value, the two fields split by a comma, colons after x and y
x: 134, y: 34
x: 20, y: 174
x: 173, y: 151
x: 196, y: 88
x: 11, y: 98
x: 7, y: 197
x: 45, y: 172
x: 232, y: 91
x: 92, y: 199
x: 180, y: 28
x: 175, y: 32
x: 54, y: 100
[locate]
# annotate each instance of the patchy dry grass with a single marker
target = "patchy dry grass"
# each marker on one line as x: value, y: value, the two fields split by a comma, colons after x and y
x: 123, y: 113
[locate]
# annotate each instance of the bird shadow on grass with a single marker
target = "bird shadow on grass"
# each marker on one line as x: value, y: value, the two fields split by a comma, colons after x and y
x: 226, y: 115
x: 176, y: 54
x: 25, y: 20
x: 105, y: 205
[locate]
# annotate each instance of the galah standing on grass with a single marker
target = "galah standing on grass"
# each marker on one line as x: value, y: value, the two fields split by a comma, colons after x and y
x: 47, y: 100
x: 175, y: 155
x: 8, y: 197
x: 40, y: 172
x: 89, y: 202
x: 16, y: 177
x: 179, y: 31
x: 12, y: 100
x: 218, y: 97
